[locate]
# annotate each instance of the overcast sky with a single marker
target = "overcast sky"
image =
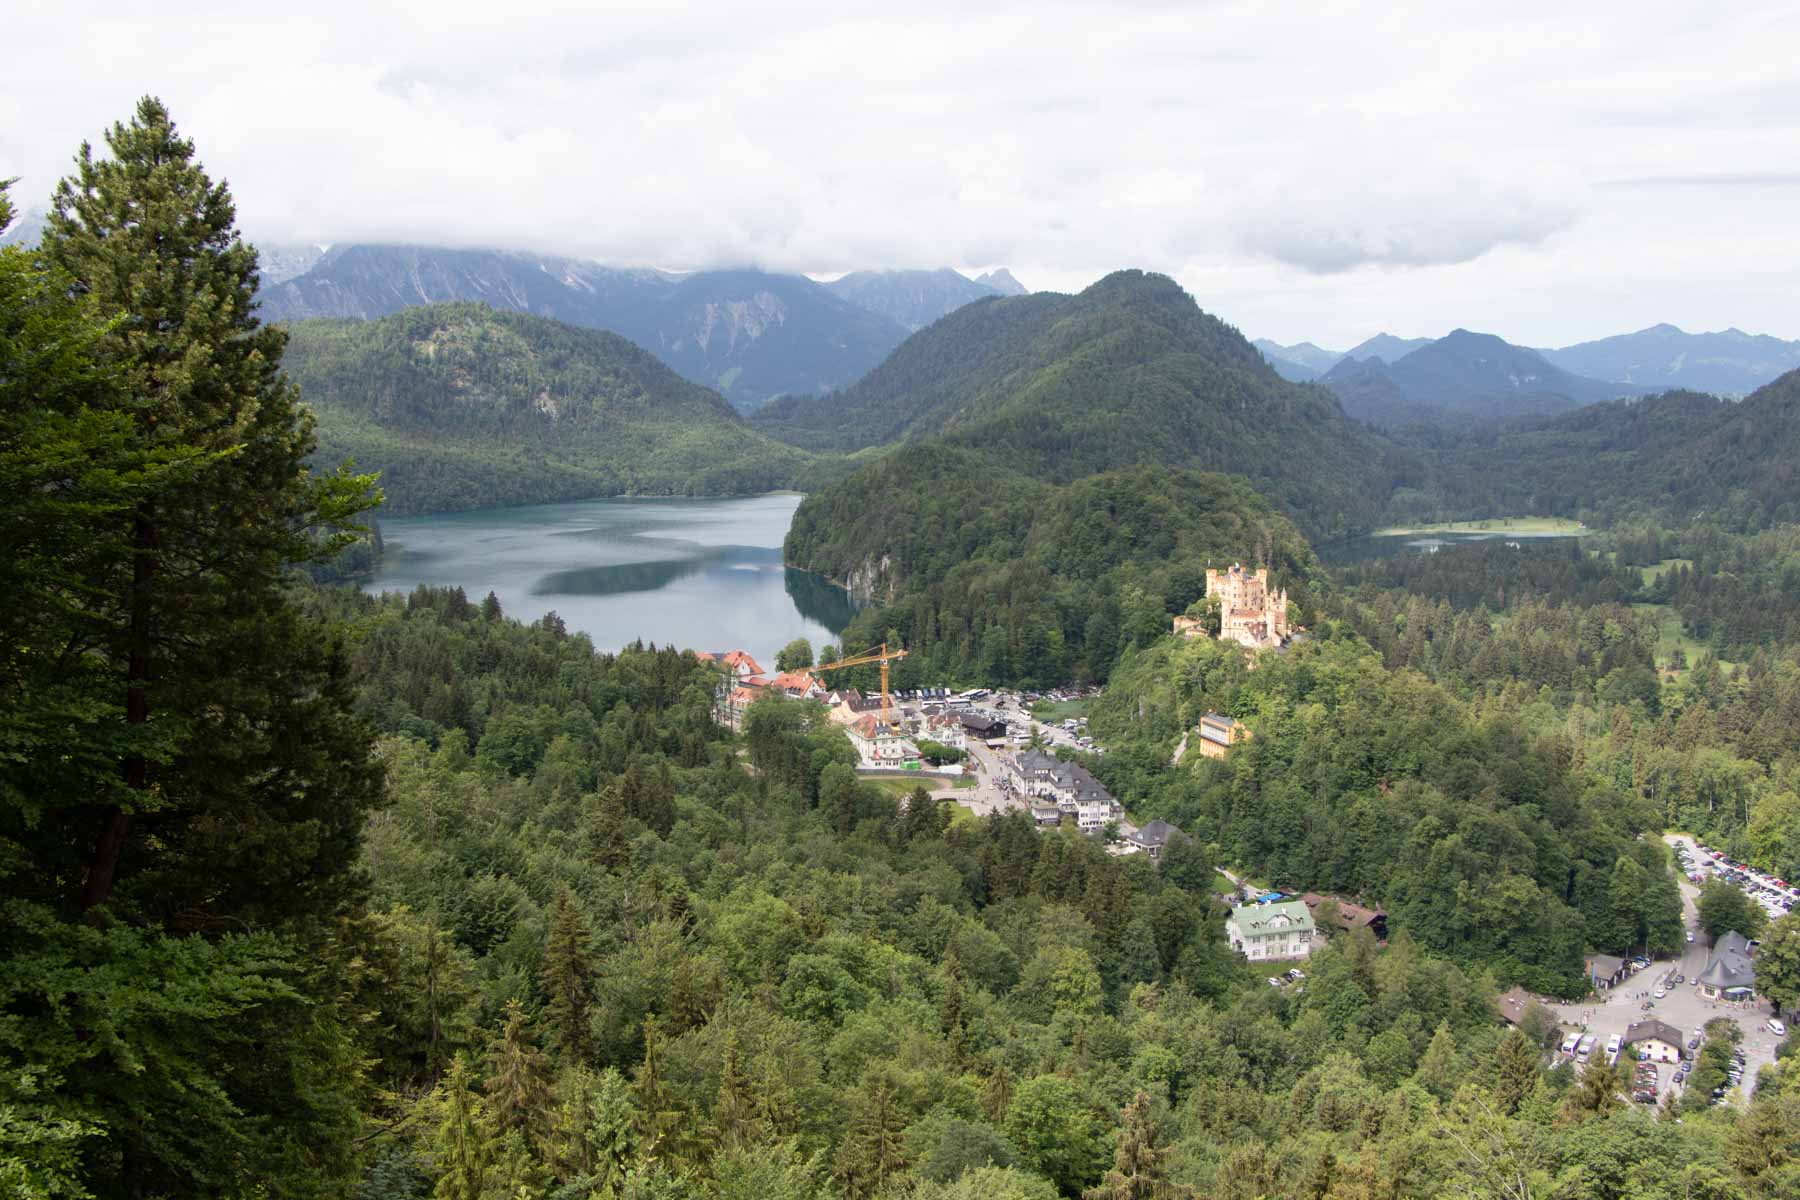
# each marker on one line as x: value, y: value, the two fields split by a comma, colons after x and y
x: 1548, y: 172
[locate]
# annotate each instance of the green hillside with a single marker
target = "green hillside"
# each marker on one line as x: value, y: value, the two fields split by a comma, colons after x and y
x: 459, y: 406
x: 1130, y: 371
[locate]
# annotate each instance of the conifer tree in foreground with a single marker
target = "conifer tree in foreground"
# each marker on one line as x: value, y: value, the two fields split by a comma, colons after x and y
x: 174, y: 856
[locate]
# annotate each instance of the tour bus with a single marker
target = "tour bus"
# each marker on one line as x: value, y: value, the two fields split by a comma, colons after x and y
x: 1570, y: 1042
x: 1585, y: 1048
x: 1614, y: 1044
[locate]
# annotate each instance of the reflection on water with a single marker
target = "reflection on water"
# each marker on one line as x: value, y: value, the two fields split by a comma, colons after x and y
x: 819, y: 599
x: 705, y: 574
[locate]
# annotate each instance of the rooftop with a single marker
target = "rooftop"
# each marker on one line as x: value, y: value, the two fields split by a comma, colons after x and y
x: 1662, y: 1031
x: 1272, y: 918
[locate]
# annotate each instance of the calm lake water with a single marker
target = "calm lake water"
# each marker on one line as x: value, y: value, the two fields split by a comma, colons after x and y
x: 1365, y: 549
x: 700, y: 574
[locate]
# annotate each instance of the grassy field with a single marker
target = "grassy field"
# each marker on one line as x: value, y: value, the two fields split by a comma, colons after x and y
x: 1223, y: 886
x: 1054, y: 714
x: 1534, y: 526
x: 1670, y: 637
x: 898, y: 787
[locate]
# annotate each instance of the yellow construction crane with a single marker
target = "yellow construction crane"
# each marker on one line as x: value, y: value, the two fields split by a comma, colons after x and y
x: 884, y: 656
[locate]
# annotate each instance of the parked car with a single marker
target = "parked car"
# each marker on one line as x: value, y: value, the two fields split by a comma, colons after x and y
x: 1777, y: 1028
x: 1678, y: 1077
x: 1694, y: 1042
x: 1276, y: 981
x: 1659, y: 993
x: 1690, y: 935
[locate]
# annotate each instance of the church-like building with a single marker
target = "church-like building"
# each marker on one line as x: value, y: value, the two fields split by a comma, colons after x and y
x: 1250, y: 612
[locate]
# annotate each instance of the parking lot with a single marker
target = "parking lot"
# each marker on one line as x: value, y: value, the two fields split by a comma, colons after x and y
x: 1683, y: 1006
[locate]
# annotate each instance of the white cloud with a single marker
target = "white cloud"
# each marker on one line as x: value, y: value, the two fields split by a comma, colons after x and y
x: 1309, y: 171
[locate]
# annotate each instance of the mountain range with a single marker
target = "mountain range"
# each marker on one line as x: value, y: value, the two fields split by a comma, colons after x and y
x: 1728, y: 363
x: 1462, y: 377
x: 748, y: 334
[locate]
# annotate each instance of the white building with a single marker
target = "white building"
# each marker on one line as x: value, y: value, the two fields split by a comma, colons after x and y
x: 1269, y: 931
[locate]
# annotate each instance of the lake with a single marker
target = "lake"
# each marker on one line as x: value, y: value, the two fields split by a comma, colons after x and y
x: 699, y: 574
x: 1367, y: 549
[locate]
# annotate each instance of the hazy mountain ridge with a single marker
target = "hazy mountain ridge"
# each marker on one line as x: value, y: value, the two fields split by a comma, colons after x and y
x: 1729, y: 362
x: 1463, y: 376
x: 914, y: 299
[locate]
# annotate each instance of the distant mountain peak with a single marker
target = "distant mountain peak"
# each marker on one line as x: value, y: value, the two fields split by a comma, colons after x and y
x: 1002, y: 281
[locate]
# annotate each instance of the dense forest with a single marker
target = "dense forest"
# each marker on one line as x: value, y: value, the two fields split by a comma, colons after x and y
x: 1484, y: 844
x: 999, y: 577
x: 461, y: 406
x: 306, y: 893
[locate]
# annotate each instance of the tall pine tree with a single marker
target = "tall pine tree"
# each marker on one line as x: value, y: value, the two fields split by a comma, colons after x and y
x: 171, y: 859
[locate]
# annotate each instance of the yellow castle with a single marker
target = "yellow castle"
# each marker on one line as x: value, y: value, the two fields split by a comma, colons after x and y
x: 1250, y: 612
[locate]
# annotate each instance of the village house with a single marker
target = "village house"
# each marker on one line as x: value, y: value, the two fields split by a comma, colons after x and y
x: 1152, y: 838
x: 1250, y: 612
x: 982, y: 728
x: 1654, y: 1040
x: 1046, y: 816
x: 879, y: 744
x: 1729, y: 973
x: 945, y: 730
x: 1604, y: 971
x: 1349, y: 917
x: 1219, y: 733
x: 798, y: 685
x: 1270, y: 931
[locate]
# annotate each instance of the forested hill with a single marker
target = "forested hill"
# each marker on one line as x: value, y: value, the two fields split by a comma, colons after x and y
x: 460, y: 406
x: 1677, y: 457
x: 988, y: 575
x: 1128, y: 372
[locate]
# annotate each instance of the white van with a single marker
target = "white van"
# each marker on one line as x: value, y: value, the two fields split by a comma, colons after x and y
x: 1777, y: 1028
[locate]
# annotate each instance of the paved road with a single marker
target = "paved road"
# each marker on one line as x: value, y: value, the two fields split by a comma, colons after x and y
x: 1683, y: 1007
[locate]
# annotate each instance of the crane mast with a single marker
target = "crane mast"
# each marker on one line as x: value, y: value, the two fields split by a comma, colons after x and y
x: 884, y: 656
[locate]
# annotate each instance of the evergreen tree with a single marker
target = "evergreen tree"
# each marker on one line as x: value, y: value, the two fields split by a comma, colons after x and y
x: 461, y: 1149
x: 1437, y: 1069
x: 1515, y: 1071
x: 519, y: 1095
x: 197, y: 624
x: 735, y: 1111
x: 874, y: 1150
x: 1136, y: 1171
x: 566, y: 976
